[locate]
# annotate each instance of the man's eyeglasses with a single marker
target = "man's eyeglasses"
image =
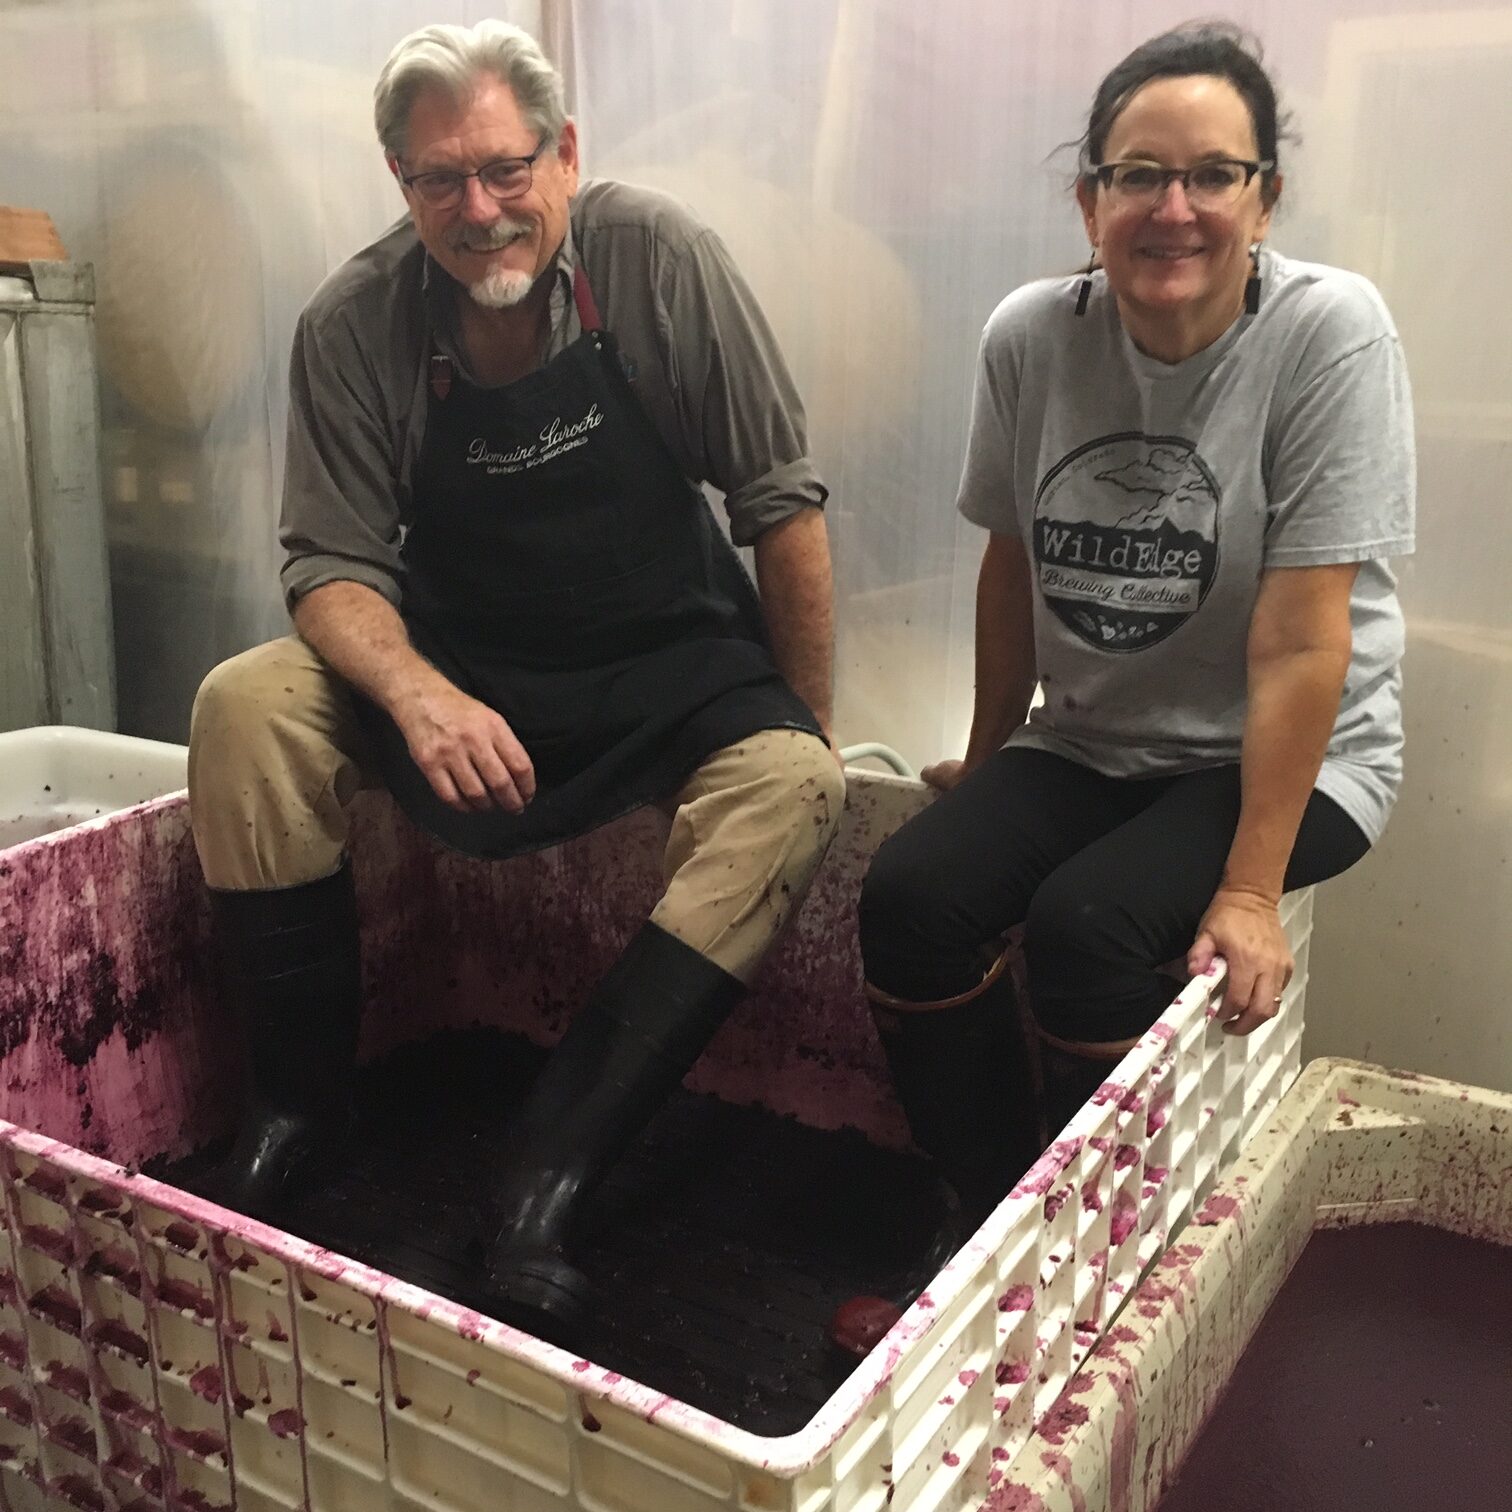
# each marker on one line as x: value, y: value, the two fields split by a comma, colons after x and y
x: 1209, y: 186
x: 504, y: 179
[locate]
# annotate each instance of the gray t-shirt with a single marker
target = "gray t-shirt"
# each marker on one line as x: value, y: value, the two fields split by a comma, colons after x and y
x: 1151, y: 497
x: 698, y: 351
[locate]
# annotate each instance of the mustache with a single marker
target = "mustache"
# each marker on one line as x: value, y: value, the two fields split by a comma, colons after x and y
x: 487, y: 239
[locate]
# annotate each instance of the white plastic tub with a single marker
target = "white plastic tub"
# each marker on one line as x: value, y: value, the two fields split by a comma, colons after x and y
x: 160, y: 1352
x: 1349, y: 1144
x: 53, y: 776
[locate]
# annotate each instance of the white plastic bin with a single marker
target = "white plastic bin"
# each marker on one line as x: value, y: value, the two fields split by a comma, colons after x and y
x: 53, y: 776
x: 1350, y: 1144
x: 160, y: 1352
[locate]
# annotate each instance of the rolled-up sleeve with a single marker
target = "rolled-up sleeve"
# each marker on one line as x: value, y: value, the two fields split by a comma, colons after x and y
x: 340, y: 516
x: 737, y: 404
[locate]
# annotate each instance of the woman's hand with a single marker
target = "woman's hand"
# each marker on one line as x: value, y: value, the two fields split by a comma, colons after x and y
x: 1245, y: 929
x: 943, y: 775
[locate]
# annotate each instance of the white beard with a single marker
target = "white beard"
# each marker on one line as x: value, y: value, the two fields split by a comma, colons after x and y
x: 501, y: 289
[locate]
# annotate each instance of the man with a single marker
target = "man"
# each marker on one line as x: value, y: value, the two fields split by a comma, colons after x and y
x: 514, y: 609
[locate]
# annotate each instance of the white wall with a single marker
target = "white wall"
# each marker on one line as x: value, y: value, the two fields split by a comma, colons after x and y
x: 1414, y: 949
x: 880, y: 167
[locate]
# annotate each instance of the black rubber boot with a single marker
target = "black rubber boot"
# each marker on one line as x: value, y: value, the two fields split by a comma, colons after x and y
x: 626, y: 1052
x: 291, y: 971
x: 965, y: 1079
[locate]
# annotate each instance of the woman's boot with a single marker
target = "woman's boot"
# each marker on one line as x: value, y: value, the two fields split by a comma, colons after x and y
x: 962, y: 1071
x: 961, y: 1068
x: 1073, y: 1071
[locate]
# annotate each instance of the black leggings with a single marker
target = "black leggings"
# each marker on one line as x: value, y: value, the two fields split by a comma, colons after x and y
x: 1110, y: 877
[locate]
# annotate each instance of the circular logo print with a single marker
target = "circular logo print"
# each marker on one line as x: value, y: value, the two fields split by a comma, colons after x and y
x: 1126, y: 538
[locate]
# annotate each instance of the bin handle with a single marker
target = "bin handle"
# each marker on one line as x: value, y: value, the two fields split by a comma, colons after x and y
x: 883, y: 753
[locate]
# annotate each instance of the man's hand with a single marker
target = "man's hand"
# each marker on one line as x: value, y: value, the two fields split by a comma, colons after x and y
x: 468, y: 753
x: 1245, y: 929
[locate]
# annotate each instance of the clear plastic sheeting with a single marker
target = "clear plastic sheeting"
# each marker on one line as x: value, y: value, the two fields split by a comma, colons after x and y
x: 885, y: 173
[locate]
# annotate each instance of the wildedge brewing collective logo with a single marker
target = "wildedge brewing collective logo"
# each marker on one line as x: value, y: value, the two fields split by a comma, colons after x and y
x: 1126, y: 538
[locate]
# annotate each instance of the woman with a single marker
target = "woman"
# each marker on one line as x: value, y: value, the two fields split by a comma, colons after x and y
x: 1194, y: 461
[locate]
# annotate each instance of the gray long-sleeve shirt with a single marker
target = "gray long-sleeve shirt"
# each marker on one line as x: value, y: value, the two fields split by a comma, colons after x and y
x: 701, y: 356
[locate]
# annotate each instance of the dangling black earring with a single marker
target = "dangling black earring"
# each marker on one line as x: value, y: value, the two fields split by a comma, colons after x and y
x: 1252, y: 287
x: 1084, y: 293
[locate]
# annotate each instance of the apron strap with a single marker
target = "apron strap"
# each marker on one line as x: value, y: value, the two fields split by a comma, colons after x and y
x: 582, y: 296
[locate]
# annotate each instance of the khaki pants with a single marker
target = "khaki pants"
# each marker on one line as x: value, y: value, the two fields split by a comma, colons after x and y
x: 276, y: 757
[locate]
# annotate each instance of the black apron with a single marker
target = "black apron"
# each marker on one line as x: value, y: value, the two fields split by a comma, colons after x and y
x: 561, y: 569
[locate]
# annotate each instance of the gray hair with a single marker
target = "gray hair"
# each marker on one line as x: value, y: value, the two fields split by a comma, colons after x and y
x: 450, y: 58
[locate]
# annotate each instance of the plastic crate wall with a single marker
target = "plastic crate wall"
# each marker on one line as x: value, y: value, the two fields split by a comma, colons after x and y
x: 159, y: 1352
x: 111, y: 1040
x: 1349, y: 1144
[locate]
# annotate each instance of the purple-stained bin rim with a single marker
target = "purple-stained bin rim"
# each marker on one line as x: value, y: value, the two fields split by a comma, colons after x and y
x: 787, y: 1456
x: 161, y: 804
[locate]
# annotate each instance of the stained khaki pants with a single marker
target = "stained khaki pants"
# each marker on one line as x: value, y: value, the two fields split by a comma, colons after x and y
x: 276, y: 757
